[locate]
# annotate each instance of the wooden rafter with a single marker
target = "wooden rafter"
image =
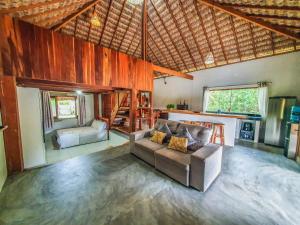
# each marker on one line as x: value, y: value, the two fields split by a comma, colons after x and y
x: 51, y: 11
x: 28, y: 7
x: 192, y: 32
x: 144, y: 30
x: 105, y: 21
x: 235, y: 37
x: 164, y: 70
x: 86, y: 7
x: 180, y: 32
x: 267, y: 7
x: 167, y: 47
x: 272, y: 42
x: 171, y: 39
x: 218, y: 34
x: 263, y: 16
x: 252, y: 40
x: 117, y: 24
x: 154, y: 54
x: 241, y: 15
x: 128, y: 25
x: 162, y: 53
x: 133, y: 38
x: 200, y: 18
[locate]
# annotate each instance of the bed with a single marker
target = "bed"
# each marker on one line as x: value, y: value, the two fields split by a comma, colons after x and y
x: 98, y: 131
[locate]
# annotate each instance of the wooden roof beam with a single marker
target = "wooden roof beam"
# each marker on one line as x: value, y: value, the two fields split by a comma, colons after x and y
x: 262, y: 16
x: 171, y: 72
x: 144, y: 30
x: 86, y: 7
x: 243, y: 16
x: 268, y: 7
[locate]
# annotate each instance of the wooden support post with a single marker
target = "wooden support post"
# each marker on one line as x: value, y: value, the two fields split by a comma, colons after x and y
x: 10, y: 118
x: 133, y: 108
x: 96, y: 105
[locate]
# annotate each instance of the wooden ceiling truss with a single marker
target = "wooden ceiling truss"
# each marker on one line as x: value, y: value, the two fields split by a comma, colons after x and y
x: 179, y: 34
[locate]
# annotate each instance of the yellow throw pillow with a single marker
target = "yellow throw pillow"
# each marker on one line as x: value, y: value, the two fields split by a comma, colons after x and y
x: 158, y: 137
x: 178, y: 144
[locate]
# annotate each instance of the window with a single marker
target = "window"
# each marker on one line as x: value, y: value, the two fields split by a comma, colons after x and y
x: 64, y: 107
x: 241, y: 101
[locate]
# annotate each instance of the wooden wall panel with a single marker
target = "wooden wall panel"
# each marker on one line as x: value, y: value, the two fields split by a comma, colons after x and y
x: 30, y: 52
x: 10, y: 117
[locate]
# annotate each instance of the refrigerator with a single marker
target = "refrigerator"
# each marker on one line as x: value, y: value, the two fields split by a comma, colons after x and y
x: 278, y: 117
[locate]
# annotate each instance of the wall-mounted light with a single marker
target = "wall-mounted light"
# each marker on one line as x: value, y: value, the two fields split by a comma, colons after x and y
x: 165, y: 81
x: 79, y: 92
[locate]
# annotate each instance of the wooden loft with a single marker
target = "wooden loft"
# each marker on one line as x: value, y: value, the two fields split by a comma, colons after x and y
x: 177, y: 35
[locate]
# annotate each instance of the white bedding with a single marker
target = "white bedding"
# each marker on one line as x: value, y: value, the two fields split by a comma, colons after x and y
x: 81, y: 135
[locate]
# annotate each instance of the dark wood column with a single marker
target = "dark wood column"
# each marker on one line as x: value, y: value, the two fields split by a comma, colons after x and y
x: 10, y: 117
x: 96, y: 106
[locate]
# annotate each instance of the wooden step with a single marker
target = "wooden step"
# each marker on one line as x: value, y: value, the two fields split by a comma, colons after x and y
x: 122, y: 116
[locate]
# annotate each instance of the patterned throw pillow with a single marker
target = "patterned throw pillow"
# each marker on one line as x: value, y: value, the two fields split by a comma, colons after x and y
x: 186, y: 134
x: 178, y: 144
x: 158, y: 137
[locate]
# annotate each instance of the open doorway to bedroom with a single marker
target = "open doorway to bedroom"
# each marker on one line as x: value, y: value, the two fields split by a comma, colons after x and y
x: 56, y: 125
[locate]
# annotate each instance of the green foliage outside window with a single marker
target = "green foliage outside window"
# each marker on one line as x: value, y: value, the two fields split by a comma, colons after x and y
x: 235, y: 101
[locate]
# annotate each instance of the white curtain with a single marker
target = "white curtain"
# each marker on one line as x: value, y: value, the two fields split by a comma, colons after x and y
x: 263, y: 101
x: 48, y: 120
x: 82, y: 110
x: 205, y: 99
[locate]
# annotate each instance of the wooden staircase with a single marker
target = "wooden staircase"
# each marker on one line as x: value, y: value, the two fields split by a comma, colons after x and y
x: 120, y: 117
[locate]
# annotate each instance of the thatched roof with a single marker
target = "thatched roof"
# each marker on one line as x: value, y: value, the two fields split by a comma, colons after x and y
x: 180, y: 33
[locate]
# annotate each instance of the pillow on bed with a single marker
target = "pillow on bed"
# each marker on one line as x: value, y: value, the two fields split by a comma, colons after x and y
x: 99, y: 125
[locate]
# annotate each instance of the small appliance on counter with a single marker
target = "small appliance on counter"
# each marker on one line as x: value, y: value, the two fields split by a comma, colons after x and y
x: 249, y: 130
x: 183, y: 106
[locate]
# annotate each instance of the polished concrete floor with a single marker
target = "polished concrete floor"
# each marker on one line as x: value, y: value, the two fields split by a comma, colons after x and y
x: 114, y: 187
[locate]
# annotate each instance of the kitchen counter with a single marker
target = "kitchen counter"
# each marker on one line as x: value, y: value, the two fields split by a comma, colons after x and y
x: 205, y: 114
x: 230, y: 121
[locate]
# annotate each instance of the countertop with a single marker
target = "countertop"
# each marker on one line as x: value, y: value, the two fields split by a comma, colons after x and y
x: 205, y: 114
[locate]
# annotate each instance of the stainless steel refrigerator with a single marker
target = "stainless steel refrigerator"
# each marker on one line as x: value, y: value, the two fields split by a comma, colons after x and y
x: 279, y: 111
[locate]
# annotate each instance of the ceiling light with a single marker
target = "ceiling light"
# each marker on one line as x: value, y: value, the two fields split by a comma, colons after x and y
x: 209, y: 58
x: 135, y: 2
x: 95, y: 20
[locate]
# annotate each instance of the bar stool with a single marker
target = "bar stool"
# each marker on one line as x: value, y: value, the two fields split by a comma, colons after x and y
x: 218, y: 132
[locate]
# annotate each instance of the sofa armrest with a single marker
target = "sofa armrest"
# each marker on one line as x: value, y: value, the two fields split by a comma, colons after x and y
x: 138, y: 135
x: 205, y: 166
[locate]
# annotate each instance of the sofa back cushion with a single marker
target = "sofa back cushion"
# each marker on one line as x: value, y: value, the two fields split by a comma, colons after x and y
x: 200, y: 134
x: 173, y: 125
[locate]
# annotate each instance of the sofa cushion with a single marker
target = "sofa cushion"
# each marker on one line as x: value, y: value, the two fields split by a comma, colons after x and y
x: 165, y: 129
x: 186, y: 134
x: 200, y: 134
x: 178, y: 144
x: 180, y: 159
x: 173, y: 125
x: 158, y: 137
x: 148, y: 145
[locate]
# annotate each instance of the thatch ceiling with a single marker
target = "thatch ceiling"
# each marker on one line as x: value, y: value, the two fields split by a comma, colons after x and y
x: 180, y: 33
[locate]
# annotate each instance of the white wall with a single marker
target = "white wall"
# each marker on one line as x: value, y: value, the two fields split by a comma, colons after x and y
x: 30, y: 114
x: 283, y: 71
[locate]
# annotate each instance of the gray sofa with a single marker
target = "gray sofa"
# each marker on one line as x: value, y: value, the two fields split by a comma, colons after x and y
x: 196, y: 168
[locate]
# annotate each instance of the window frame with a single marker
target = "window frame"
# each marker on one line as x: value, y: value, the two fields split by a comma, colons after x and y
x: 56, y: 106
x: 227, y: 88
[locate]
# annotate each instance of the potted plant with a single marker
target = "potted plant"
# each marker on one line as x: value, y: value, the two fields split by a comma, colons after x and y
x: 170, y: 106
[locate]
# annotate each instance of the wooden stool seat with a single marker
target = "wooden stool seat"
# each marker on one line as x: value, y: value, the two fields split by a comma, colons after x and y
x: 218, y: 132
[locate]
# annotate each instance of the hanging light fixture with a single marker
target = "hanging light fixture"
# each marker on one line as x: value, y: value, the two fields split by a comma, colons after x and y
x: 135, y: 2
x: 95, y: 20
x: 209, y: 58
